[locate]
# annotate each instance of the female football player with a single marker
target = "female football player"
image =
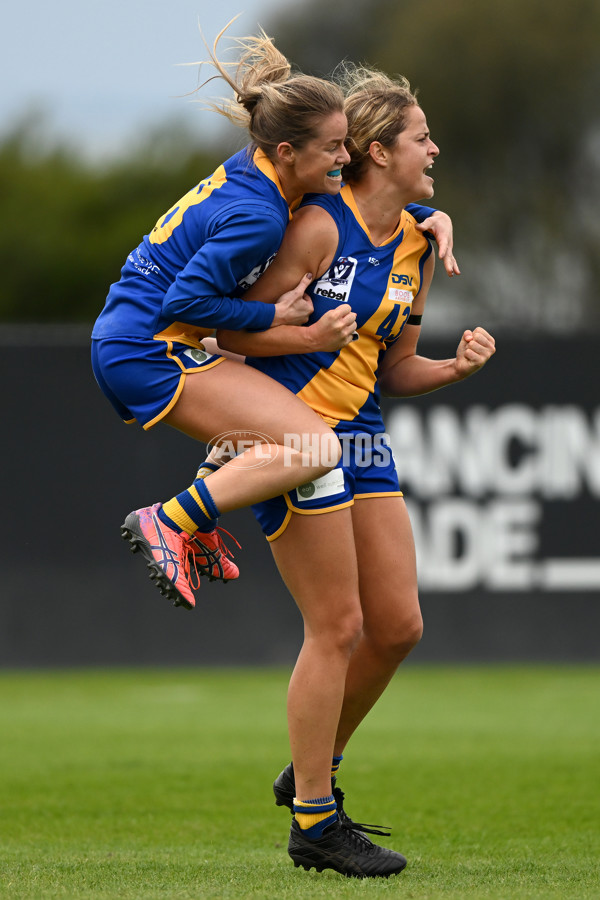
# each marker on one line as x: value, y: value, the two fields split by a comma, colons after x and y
x: 186, y: 278
x: 343, y: 542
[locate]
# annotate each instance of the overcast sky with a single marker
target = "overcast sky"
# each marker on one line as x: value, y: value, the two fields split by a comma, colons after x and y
x: 104, y: 69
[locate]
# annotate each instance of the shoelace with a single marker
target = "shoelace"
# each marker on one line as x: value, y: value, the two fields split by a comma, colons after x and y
x: 222, y: 545
x: 189, y: 558
x: 189, y: 553
x: 353, y: 826
x: 358, y: 840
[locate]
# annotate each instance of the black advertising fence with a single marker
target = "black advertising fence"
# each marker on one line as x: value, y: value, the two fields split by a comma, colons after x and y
x: 502, y: 478
x: 501, y: 474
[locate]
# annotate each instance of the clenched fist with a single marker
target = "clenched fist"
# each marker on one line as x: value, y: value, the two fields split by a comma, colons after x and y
x: 474, y: 350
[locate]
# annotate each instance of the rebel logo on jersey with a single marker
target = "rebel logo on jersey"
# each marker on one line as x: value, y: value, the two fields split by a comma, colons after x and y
x: 336, y: 283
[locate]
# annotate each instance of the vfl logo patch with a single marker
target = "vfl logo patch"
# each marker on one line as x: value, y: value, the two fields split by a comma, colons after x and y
x: 326, y: 486
x: 336, y: 283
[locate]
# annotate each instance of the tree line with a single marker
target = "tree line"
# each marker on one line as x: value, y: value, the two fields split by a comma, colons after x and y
x: 68, y: 224
x: 510, y: 92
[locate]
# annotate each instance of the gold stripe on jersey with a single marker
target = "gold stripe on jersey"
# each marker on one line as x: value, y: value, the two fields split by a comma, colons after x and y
x: 348, y: 198
x: 165, y: 226
x: 334, y: 392
x: 338, y: 392
x: 264, y: 165
x: 182, y: 333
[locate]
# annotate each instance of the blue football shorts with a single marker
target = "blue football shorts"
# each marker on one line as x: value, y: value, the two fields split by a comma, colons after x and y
x: 143, y: 377
x: 366, y: 469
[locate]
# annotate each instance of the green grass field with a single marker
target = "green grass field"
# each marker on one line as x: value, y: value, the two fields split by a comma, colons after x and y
x: 157, y: 784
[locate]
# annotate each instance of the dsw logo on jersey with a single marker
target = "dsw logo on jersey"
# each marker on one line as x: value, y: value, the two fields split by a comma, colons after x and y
x: 336, y: 283
x: 400, y: 294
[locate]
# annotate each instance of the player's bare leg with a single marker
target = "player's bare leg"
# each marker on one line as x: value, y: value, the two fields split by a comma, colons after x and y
x: 287, y: 445
x: 242, y: 402
x: 392, y: 622
x: 315, y: 556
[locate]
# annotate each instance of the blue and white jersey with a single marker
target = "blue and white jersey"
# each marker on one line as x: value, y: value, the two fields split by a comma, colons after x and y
x: 380, y: 283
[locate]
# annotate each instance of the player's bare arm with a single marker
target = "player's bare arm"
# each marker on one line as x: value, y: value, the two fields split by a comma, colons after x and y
x: 403, y: 373
x: 309, y: 245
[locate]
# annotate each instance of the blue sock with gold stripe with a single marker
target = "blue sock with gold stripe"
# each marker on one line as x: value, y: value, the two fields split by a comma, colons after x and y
x: 313, y: 816
x: 206, y: 468
x: 192, y: 510
x: 335, y: 765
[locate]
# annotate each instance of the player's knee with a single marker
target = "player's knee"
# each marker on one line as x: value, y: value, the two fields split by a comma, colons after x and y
x: 400, y: 637
x: 320, y: 451
x: 413, y: 631
x: 348, y: 631
x: 329, y: 452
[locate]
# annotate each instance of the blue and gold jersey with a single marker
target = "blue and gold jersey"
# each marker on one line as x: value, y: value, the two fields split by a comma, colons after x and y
x: 187, y: 275
x: 380, y: 284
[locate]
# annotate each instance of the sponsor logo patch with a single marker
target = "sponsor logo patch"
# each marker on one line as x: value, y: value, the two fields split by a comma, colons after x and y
x: 326, y: 486
x: 336, y: 283
x: 199, y: 356
x: 399, y: 296
x: 255, y: 274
